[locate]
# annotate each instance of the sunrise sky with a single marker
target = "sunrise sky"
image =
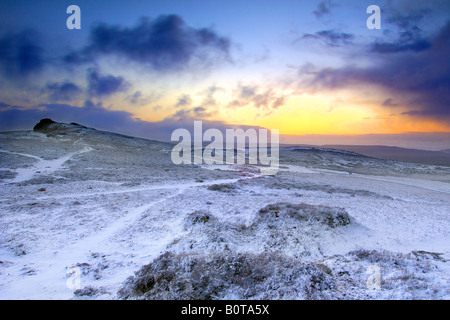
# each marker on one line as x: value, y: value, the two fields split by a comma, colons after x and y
x: 311, y: 69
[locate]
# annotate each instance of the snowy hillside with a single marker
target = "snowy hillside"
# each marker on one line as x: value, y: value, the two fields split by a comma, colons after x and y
x: 87, y: 214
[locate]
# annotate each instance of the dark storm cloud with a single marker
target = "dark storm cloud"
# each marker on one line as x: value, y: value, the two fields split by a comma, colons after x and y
x: 20, y: 54
x: 101, y: 86
x: 165, y: 43
x: 409, y: 34
x: 64, y: 91
x: 416, y: 45
x: 421, y: 78
x: 408, y: 20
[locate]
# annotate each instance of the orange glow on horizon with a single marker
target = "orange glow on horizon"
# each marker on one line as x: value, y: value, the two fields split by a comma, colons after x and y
x: 308, y: 114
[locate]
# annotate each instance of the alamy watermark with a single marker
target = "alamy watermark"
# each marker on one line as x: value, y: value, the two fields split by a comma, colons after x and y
x: 73, y: 22
x: 73, y: 274
x: 374, y: 280
x: 374, y: 21
x: 238, y: 147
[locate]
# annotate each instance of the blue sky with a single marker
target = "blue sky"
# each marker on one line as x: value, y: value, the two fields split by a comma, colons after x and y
x: 303, y: 67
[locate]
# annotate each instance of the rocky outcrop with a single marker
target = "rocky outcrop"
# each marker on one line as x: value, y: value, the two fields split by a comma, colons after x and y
x: 52, y: 128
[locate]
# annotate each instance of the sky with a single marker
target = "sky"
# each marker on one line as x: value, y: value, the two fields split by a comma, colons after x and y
x: 311, y: 69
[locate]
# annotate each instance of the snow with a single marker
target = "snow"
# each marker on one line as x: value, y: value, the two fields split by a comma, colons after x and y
x: 41, y: 165
x: 105, y: 206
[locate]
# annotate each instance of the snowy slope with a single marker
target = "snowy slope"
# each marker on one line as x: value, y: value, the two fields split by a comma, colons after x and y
x: 82, y: 210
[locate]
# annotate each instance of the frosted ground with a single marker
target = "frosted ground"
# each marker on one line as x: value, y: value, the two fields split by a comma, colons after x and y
x: 113, y: 213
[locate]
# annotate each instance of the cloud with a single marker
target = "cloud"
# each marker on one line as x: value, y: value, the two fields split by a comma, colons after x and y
x: 247, y: 92
x: 192, y: 113
x: 20, y: 55
x: 209, y: 100
x: 165, y: 43
x: 400, y: 46
x: 183, y: 101
x: 330, y: 38
x: 102, y: 86
x: 406, y: 20
x: 323, y: 8
x: 199, y: 111
x: 64, y: 91
x: 265, y: 99
x: 278, y: 102
x: 135, y: 98
x: 389, y: 102
x: 421, y: 78
x: 409, y: 35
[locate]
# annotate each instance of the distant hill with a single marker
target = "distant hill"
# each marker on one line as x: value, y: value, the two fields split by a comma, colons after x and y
x: 442, y: 158
x: 401, y: 154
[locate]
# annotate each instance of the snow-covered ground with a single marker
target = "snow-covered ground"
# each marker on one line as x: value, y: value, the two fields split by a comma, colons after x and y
x: 91, y: 215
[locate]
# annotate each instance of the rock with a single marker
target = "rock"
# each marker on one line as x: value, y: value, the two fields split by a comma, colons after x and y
x: 331, y: 216
x: 224, y: 187
x: 89, y: 291
x: 43, y: 125
x: 52, y: 128
x: 219, y: 275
